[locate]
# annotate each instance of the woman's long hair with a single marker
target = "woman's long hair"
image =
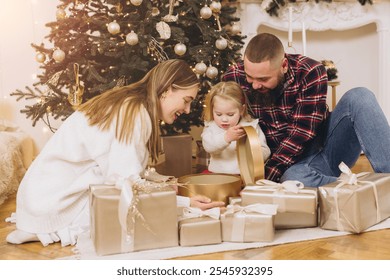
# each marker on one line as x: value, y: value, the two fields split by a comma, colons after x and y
x: 123, y: 104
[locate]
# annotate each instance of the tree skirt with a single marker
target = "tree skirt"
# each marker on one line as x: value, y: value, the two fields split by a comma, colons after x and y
x: 85, y: 249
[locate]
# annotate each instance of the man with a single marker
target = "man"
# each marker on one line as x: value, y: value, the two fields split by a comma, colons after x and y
x: 287, y: 93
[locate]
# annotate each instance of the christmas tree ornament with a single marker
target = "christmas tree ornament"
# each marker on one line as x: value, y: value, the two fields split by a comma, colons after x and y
x: 235, y: 29
x: 180, y: 49
x: 40, y: 57
x: 164, y: 30
x: 206, y: 12
x: 200, y: 68
x: 155, y: 11
x: 58, y: 55
x: 221, y: 43
x: 136, y: 2
x: 212, y: 72
x: 216, y: 6
x: 60, y: 14
x: 132, y: 38
x: 170, y: 17
x: 75, y: 96
x: 113, y: 27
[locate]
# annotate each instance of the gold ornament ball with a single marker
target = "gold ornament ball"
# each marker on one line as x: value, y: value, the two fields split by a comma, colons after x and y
x: 206, y: 12
x: 216, y: 6
x: 200, y: 68
x: 40, y: 57
x: 113, y: 27
x: 180, y: 49
x: 58, y: 55
x: 132, y: 38
x: 136, y: 2
x: 221, y: 43
x: 60, y: 14
x: 211, y: 72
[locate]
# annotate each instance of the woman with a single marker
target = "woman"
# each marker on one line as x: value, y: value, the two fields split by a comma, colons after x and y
x: 107, y: 140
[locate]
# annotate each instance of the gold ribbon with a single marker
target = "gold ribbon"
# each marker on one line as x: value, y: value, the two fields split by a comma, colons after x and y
x: 193, y: 212
x: 347, y: 177
x: 239, y: 214
x: 75, y: 97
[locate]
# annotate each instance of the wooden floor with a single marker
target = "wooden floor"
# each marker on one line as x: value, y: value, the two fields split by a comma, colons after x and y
x: 367, y: 246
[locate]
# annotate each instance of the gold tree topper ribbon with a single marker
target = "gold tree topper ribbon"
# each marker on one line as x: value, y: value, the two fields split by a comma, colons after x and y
x: 75, y: 97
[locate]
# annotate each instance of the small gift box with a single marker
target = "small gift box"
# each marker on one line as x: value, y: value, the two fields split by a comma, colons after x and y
x: 252, y: 223
x: 297, y: 206
x: 354, y: 202
x: 197, y: 227
x: 143, y: 227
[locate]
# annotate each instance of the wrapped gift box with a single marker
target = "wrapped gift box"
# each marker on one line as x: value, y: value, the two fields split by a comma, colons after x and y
x: 355, y: 205
x: 253, y: 223
x: 150, y: 230
x: 197, y: 227
x: 297, y: 206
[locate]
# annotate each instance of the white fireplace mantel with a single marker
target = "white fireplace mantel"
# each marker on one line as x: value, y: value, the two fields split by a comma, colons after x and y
x: 324, y: 16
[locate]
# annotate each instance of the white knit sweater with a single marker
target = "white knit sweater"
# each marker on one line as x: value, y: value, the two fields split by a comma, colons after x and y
x: 55, y: 188
x: 223, y: 155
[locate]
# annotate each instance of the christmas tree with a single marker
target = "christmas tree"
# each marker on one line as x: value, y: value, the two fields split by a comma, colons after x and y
x: 101, y: 44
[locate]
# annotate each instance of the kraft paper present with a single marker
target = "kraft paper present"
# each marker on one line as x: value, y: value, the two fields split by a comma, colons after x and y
x: 355, y: 202
x: 197, y: 227
x: 154, y: 226
x: 252, y: 223
x: 297, y: 205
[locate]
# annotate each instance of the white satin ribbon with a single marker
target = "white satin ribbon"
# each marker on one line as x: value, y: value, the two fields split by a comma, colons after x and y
x: 239, y: 213
x: 349, y: 178
x: 193, y: 212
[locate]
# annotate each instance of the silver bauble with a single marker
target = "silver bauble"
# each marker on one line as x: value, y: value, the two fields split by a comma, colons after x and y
x: 235, y: 29
x: 216, y: 6
x: 221, y: 43
x: 113, y: 27
x: 206, y: 12
x: 136, y: 2
x: 200, y: 68
x: 211, y: 72
x: 58, y: 55
x: 132, y: 38
x: 180, y: 49
x: 40, y: 57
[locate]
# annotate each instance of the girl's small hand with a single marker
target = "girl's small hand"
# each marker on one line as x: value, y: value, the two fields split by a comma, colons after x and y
x: 234, y: 133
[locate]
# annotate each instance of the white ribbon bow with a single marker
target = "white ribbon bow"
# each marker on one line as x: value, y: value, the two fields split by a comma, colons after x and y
x: 261, y: 208
x: 289, y: 186
x: 193, y: 212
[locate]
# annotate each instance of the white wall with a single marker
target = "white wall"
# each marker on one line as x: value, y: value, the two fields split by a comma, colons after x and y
x: 22, y: 22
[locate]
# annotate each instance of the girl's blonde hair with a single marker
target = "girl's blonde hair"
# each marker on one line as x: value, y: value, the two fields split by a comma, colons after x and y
x: 123, y: 104
x: 227, y: 90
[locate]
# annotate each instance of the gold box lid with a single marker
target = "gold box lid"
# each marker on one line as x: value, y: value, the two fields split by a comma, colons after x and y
x: 250, y: 156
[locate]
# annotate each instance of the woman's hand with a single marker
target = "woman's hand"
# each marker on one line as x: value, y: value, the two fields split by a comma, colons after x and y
x: 204, y: 203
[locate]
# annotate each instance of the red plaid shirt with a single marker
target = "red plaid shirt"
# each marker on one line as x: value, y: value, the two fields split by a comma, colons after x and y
x: 296, y: 116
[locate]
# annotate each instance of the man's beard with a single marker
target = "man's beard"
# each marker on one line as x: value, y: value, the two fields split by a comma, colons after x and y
x: 268, y: 99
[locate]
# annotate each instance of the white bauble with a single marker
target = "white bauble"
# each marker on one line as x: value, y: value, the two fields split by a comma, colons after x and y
x: 58, y: 55
x: 136, y: 2
x: 113, y: 27
x: 211, y: 72
x: 60, y: 14
x: 132, y: 38
x: 235, y: 29
x: 180, y: 49
x: 221, y: 43
x: 200, y: 68
x: 216, y: 6
x: 40, y: 57
x: 206, y: 12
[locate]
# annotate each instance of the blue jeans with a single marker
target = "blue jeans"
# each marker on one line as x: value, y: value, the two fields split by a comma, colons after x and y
x: 357, y: 123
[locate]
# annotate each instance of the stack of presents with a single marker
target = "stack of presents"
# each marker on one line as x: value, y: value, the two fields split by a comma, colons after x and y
x: 152, y: 220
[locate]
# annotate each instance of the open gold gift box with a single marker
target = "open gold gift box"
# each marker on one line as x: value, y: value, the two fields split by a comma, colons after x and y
x: 219, y: 187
